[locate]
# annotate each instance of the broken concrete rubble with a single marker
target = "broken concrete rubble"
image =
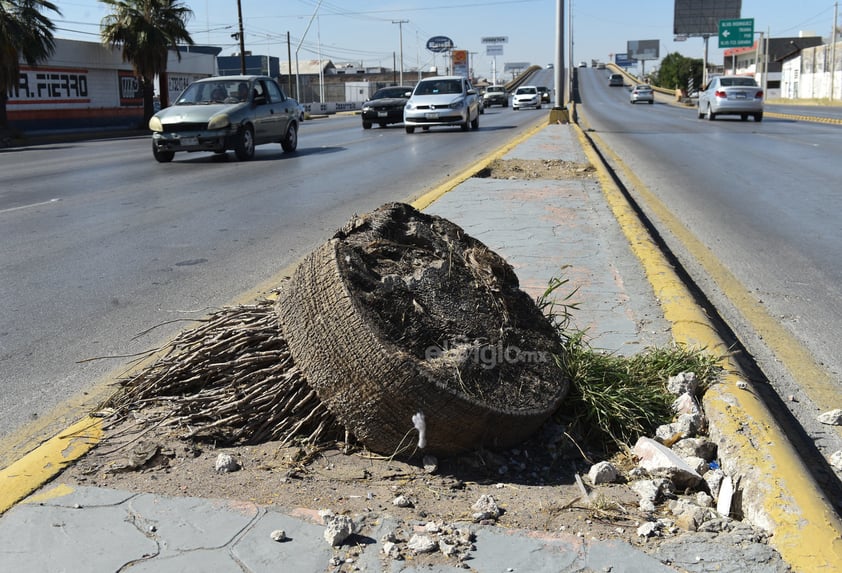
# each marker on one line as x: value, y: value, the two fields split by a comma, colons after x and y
x: 658, y: 459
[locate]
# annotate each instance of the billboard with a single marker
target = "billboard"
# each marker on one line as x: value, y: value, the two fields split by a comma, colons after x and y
x: 438, y: 44
x: 460, y: 63
x: 643, y: 49
x: 623, y: 60
x: 701, y: 17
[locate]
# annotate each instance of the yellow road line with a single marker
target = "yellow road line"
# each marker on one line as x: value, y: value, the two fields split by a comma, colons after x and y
x: 47, y: 460
x: 431, y: 196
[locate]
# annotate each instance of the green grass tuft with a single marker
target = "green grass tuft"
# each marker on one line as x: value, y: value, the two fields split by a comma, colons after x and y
x: 615, y: 399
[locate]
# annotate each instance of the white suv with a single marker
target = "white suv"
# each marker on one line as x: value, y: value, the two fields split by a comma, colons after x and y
x: 495, y: 95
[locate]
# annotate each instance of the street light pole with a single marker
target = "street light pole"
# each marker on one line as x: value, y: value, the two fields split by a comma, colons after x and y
x: 833, y: 49
x: 558, y: 74
x: 301, y: 41
x: 400, y: 24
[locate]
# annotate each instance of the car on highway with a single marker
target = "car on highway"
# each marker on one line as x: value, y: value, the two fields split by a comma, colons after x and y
x: 442, y: 101
x: 583, y: 64
x: 545, y: 94
x: 385, y: 106
x: 642, y: 92
x: 226, y: 112
x: 731, y: 95
x: 495, y: 95
x: 615, y: 80
x: 526, y: 96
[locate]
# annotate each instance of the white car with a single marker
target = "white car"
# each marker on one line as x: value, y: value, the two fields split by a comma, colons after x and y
x: 442, y: 101
x: 526, y: 96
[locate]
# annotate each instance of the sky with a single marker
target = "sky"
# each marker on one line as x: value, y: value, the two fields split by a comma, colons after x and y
x: 375, y: 32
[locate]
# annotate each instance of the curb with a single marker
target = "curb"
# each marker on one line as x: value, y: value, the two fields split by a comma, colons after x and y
x: 779, y: 495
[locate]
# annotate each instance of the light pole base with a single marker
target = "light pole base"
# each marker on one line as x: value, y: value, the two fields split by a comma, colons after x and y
x: 559, y: 115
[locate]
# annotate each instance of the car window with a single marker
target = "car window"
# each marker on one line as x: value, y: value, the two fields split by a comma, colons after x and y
x: 526, y: 90
x: 439, y: 87
x: 737, y: 82
x: 275, y: 93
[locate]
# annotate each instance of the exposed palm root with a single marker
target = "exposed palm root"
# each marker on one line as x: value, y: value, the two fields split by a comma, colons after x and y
x: 231, y: 380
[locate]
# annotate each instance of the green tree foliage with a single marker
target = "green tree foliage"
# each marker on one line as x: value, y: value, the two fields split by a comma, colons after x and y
x: 676, y: 70
x: 25, y: 33
x: 146, y: 30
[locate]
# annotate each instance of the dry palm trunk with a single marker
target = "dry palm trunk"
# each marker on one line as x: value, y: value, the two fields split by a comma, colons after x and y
x: 402, y: 316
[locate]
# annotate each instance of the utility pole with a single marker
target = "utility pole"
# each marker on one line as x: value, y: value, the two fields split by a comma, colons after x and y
x: 400, y: 24
x: 242, y: 39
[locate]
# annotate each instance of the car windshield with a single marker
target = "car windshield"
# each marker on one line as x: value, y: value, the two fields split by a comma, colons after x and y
x: 439, y: 87
x: 494, y: 89
x: 217, y: 91
x: 725, y: 82
x: 389, y: 92
x: 643, y: 87
x: 526, y: 90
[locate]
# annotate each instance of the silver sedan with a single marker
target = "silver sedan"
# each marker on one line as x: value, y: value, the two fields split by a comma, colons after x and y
x: 642, y: 92
x: 442, y: 101
x: 731, y: 95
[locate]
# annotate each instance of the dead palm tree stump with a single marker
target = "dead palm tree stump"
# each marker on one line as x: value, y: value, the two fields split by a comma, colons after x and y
x: 402, y: 323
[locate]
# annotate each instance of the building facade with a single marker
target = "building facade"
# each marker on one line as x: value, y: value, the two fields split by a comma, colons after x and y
x: 85, y: 85
x: 764, y: 60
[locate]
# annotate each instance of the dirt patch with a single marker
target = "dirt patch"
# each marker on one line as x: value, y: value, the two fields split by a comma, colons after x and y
x: 539, y: 169
x: 534, y: 484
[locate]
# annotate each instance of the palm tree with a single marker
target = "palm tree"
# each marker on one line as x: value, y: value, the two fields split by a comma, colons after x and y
x: 25, y: 32
x: 146, y: 30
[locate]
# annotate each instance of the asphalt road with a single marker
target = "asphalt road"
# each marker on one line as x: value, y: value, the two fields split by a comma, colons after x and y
x: 762, y: 201
x: 106, y: 253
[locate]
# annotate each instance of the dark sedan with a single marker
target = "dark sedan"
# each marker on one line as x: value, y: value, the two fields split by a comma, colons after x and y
x: 385, y: 106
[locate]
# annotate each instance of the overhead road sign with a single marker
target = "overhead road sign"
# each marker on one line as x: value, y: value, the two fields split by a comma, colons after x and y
x: 736, y: 33
x: 495, y: 40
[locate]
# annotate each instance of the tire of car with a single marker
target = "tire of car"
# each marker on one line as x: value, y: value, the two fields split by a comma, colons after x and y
x: 538, y: 106
x: 162, y: 156
x: 244, y: 143
x: 366, y: 125
x: 758, y: 116
x: 699, y: 111
x: 651, y: 101
x: 410, y: 129
x: 467, y: 125
x: 710, y: 115
x: 290, y: 141
x: 475, y: 123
